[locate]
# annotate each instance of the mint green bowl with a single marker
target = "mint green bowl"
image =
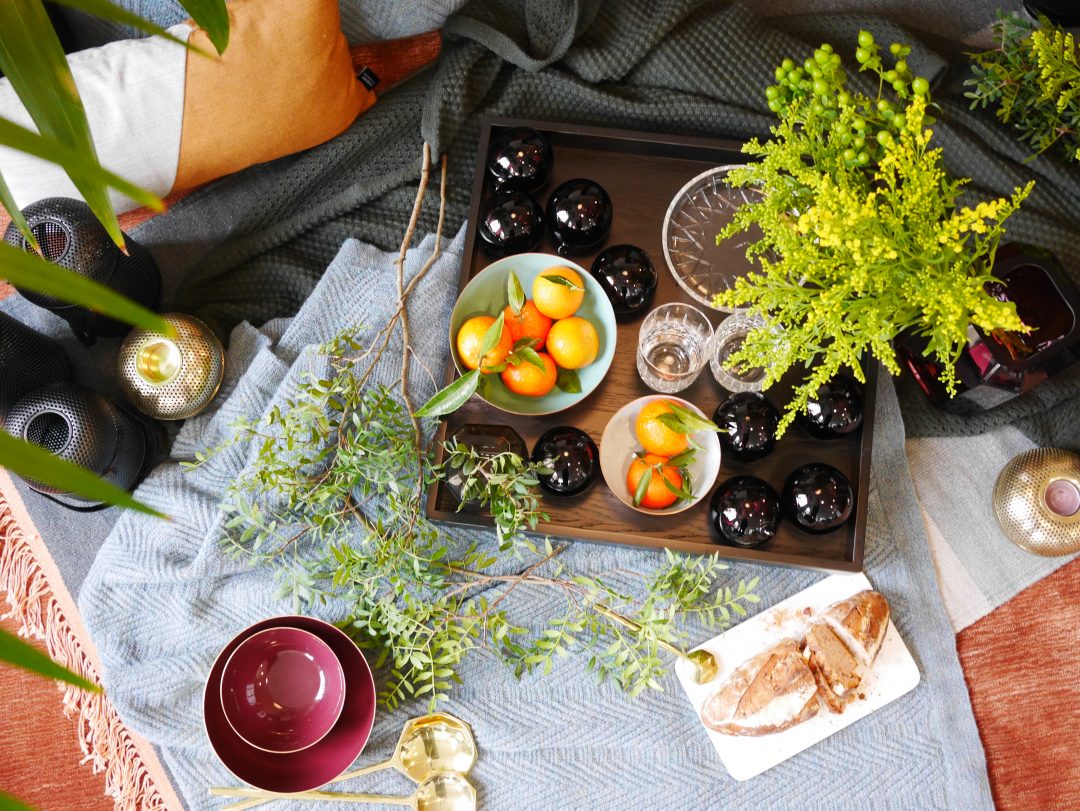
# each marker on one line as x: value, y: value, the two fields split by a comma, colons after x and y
x: 485, y: 294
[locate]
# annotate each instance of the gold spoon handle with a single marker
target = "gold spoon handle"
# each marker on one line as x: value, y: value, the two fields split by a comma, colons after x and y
x: 325, y: 796
x: 633, y: 626
x: 265, y: 797
x: 375, y: 767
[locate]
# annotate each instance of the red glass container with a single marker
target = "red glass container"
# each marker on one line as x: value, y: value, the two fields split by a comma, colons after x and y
x: 997, y: 366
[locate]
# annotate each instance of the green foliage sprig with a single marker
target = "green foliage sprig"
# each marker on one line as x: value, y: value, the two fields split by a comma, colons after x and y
x: 862, y: 237
x: 1032, y: 78
x: 334, y: 501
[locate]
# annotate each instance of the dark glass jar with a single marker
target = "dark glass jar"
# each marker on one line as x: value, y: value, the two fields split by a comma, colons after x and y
x: 628, y: 277
x: 745, y: 511
x: 818, y: 498
x: 998, y: 366
x: 520, y: 159
x: 571, y: 456
x: 747, y: 426
x: 835, y: 411
x: 488, y: 441
x: 511, y: 222
x: 579, y: 215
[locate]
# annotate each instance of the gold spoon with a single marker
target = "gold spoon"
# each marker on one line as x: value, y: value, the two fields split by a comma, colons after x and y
x: 431, y: 743
x: 440, y: 791
x: 703, y: 664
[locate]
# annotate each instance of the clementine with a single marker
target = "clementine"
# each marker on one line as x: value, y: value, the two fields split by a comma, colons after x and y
x: 525, y: 378
x: 470, y: 340
x: 656, y: 495
x: 656, y: 437
x: 573, y: 342
x: 529, y: 323
x: 558, y: 292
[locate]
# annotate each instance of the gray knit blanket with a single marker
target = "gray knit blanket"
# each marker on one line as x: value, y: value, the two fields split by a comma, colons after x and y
x: 160, y: 600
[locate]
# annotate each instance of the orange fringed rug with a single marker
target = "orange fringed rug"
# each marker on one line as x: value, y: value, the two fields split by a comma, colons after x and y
x: 58, y: 763
x: 1022, y: 664
x: 36, y: 604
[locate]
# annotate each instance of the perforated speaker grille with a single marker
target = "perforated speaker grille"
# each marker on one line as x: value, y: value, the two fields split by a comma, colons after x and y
x: 50, y: 431
x: 82, y: 427
x: 52, y: 238
x: 71, y: 236
x: 28, y: 361
x: 1037, y: 501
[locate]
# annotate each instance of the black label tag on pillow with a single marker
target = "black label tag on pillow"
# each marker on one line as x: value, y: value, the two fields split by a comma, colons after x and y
x: 368, y: 78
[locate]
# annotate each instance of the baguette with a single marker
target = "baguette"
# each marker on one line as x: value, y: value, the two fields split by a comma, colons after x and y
x: 768, y: 693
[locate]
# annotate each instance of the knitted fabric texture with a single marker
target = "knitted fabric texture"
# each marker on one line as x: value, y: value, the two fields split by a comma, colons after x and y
x: 686, y: 67
x: 163, y: 598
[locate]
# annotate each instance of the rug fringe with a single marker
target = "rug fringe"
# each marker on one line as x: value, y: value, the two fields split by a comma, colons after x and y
x: 105, y: 741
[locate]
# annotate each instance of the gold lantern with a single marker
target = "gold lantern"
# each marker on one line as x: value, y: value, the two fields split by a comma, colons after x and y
x: 172, y: 378
x: 1037, y: 501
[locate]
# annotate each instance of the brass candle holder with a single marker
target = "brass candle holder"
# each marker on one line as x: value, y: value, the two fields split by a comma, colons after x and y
x: 172, y: 378
x: 1037, y: 501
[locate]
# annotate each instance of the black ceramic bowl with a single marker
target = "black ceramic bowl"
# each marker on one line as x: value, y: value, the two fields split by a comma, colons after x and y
x: 572, y: 457
x: 628, y: 277
x: 818, y: 498
x: 745, y: 511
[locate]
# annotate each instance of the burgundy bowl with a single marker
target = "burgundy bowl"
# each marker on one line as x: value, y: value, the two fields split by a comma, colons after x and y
x: 282, y: 690
x: 318, y: 764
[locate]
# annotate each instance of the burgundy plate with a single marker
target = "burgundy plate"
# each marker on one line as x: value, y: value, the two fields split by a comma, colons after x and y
x: 282, y: 689
x: 319, y: 764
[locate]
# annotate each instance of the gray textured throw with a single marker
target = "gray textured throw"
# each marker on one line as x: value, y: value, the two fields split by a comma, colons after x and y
x: 162, y: 599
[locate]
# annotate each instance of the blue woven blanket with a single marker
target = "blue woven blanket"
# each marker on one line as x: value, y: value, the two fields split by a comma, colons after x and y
x: 162, y: 599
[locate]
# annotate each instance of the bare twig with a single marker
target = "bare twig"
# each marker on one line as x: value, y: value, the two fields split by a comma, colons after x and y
x: 425, y: 173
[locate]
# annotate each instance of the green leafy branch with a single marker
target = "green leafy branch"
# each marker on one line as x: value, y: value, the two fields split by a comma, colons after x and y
x: 863, y: 237
x: 1032, y: 78
x: 334, y: 502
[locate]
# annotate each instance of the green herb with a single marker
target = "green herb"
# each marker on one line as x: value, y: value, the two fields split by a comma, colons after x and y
x: 862, y: 235
x: 562, y: 280
x: 453, y: 397
x: 334, y: 502
x: 492, y: 336
x: 515, y: 295
x: 682, y: 420
x: 567, y: 380
x: 1033, y: 80
x: 505, y: 483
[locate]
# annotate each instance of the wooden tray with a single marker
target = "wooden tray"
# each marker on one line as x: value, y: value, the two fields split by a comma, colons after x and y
x: 642, y: 172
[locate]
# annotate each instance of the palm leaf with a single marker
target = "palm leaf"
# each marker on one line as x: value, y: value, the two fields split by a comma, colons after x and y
x: 9, y: 803
x: 211, y: 16
x: 33, y: 462
x: 22, y: 654
x: 31, y: 272
x: 33, y: 60
x: 8, y: 202
x: 108, y: 11
x: 28, y: 141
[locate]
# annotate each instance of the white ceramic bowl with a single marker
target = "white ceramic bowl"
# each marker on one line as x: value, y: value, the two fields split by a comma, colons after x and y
x: 619, y: 444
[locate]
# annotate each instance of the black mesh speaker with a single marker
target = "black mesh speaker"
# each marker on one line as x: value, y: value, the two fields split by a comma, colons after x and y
x: 28, y: 361
x: 83, y: 427
x: 71, y: 236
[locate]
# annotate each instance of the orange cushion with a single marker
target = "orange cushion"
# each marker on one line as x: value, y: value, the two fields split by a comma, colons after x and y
x: 285, y: 83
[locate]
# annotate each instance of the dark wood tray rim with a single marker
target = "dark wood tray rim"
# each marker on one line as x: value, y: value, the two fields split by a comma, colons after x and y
x: 690, y: 143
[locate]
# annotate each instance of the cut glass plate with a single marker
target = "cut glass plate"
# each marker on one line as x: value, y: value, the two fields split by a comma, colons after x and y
x: 701, y: 209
